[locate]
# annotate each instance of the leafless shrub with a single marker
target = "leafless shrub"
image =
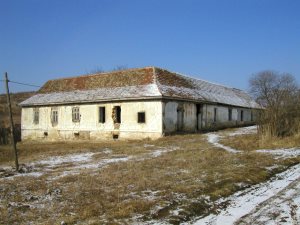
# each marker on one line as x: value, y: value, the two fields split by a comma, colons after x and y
x: 278, y: 94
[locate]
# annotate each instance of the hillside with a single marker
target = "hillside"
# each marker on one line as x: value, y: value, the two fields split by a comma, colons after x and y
x: 16, y: 98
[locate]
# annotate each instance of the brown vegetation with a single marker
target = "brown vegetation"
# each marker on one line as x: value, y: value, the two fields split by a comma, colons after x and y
x: 16, y: 109
x: 279, y: 96
x: 253, y: 142
x: 185, y: 179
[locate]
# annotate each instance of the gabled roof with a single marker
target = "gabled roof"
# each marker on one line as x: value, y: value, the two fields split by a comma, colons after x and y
x: 142, y: 83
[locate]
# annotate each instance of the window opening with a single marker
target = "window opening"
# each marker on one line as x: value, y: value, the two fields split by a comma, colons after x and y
x: 141, y: 117
x: 230, y: 114
x: 116, y: 115
x: 75, y: 114
x: 215, y: 114
x: 36, y: 116
x: 101, y: 114
x: 54, y: 116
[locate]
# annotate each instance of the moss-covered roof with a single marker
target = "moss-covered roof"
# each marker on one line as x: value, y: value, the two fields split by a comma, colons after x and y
x: 148, y: 82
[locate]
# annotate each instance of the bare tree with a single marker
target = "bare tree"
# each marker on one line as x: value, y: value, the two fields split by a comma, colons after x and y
x: 278, y: 94
x: 119, y: 67
x: 100, y: 70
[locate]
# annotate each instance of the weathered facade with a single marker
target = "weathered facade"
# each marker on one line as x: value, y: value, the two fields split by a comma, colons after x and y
x: 132, y: 104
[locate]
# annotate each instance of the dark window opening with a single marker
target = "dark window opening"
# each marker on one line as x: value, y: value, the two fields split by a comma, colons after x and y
x: 116, y: 114
x: 230, y: 114
x: 101, y: 114
x: 75, y: 114
x: 115, y: 136
x: 215, y: 114
x: 199, y: 109
x: 141, y: 117
x: 242, y: 115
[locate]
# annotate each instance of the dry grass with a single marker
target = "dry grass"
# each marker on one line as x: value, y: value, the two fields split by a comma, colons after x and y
x: 32, y: 151
x: 253, y: 142
x: 148, y: 189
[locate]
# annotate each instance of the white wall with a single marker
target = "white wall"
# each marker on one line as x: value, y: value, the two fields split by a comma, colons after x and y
x: 170, y: 116
x: 89, y: 126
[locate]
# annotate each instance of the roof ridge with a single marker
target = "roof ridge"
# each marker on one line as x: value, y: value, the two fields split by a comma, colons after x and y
x: 198, y: 79
x: 102, y: 73
x: 156, y: 82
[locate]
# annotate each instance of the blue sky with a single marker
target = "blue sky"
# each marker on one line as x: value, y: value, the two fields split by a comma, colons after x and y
x: 222, y: 41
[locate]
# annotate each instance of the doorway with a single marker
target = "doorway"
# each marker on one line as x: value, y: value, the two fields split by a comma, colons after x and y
x: 199, y: 116
x: 179, y: 119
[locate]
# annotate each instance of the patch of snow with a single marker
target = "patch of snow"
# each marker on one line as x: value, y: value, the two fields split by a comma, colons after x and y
x: 147, y: 145
x: 282, y: 153
x: 244, y: 130
x: 161, y: 151
x: 71, y: 158
x: 107, y: 151
x: 94, y: 95
x: 282, y: 209
x: 243, y: 202
x: 213, y: 138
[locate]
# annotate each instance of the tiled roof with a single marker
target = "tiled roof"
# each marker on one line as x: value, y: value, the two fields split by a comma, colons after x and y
x: 131, y: 77
x: 148, y: 82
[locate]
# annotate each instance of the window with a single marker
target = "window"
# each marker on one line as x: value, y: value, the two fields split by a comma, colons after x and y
x: 36, y: 116
x: 54, y: 116
x: 75, y: 114
x: 116, y: 114
x: 101, y: 114
x: 215, y: 114
x: 229, y: 114
x: 242, y: 115
x: 141, y: 117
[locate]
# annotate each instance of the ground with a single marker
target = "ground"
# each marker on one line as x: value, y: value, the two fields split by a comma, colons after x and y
x: 223, y: 177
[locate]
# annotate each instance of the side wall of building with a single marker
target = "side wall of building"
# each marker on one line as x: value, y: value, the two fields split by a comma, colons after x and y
x: 190, y: 117
x: 89, y: 126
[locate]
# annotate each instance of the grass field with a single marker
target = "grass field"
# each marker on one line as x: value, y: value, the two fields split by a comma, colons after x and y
x: 170, y: 180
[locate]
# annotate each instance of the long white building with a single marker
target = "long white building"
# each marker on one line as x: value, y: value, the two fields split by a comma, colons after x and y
x: 132, y: 104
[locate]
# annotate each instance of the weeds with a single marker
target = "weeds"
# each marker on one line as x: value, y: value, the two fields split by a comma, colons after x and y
x: 174, y: 186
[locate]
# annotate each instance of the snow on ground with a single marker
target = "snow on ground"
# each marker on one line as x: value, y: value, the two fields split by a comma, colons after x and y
x: 282, y: 153
x: 243, y: 131
x: 280, y: 200
x: 213, y: 138
x: 243, y: 202
x: 282, y: 209
x: 71, y: 158
x: 72, y: 164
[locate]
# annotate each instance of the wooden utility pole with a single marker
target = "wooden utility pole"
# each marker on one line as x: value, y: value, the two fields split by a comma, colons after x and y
x: 12, y: 128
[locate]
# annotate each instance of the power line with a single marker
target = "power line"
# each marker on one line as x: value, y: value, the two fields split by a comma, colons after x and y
x: 15, y: 82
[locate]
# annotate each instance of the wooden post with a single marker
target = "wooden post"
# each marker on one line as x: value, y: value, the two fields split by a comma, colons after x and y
x: 12, y: 128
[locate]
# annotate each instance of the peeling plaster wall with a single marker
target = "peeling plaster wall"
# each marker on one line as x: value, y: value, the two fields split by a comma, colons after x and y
x: 170, y: 116
x: 89, y: 126
x: 206, y: 117
x: 222, y: 118
x: 171, y: 120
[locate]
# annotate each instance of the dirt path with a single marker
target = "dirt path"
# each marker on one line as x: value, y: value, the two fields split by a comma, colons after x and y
x: 257, y: 203
x: 276, y: 201
x: 283, y: 208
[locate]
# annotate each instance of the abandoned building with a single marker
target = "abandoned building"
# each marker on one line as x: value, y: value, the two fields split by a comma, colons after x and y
x: 132, y: 104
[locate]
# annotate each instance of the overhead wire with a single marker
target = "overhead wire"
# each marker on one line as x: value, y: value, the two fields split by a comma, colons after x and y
x: 15, y: 82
